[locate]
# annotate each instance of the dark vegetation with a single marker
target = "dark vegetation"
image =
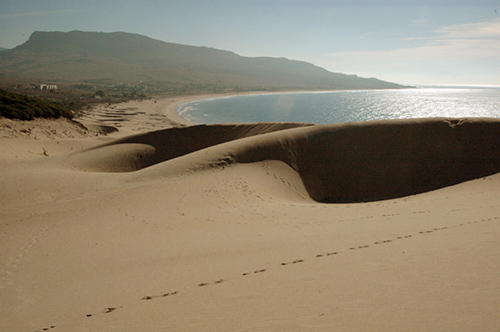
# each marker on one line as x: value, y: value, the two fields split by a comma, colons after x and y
x: 119, y: 59
x: 18, y: 106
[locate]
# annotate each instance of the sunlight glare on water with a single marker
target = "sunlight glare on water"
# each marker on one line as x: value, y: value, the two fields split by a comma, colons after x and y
x: 346, y: 106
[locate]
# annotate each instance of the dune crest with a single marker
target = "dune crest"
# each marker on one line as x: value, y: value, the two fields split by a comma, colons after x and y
x: 338, y: 163
x: 136, y: 152
x: 376, y: 160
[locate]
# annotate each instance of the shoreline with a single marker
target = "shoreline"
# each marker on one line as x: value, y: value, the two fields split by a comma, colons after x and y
x: 172, y: 103
x: 159, y: 112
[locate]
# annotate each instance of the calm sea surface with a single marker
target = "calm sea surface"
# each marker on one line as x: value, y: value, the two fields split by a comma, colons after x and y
x: 346, y: 106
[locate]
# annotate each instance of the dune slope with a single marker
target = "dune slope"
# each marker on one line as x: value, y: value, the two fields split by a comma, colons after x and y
x: 143, y: 150
x: 354, y: 162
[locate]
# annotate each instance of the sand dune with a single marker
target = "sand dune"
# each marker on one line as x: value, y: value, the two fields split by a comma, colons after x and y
x: 143, y: 150
x: 352, y: 162
x: 385, y: 159
x: 220, y: 227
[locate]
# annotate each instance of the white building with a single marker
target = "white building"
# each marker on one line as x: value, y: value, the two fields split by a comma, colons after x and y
x: 48, y: 87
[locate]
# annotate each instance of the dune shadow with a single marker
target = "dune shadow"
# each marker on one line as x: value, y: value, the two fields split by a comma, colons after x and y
x: 140, y: 151
x: 338, y: 163
x: 376, y: 160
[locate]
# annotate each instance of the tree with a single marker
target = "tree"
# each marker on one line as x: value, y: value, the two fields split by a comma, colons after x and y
x: 99, y: 93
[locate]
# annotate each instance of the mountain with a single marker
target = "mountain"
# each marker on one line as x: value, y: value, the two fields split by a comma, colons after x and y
x: 2, y: 49
x: 78, y: 56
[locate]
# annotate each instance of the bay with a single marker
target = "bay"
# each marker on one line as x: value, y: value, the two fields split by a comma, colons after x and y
x: 346, y: 106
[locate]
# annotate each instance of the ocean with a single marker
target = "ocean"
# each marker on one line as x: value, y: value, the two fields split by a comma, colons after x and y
x: 346, y: 106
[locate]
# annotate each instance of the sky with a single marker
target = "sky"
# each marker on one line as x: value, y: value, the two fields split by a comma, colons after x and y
x: 403, y: 41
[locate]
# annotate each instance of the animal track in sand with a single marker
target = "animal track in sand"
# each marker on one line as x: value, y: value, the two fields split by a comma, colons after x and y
x: 254, y: 272
x: 420, y: 212
x: 326, y: 254
x: 46, y: 328
x: 203, y: 284
x: 294, y: 262
x: 110, y: 309
x: 359, y: 247
x: 382, y: 242
x: 162, y: 295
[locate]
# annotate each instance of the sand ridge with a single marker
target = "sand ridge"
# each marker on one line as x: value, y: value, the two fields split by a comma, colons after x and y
x: 351, y: 162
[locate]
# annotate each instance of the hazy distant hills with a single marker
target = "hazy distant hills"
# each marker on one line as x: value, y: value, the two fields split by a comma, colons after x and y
x: 123, y: 57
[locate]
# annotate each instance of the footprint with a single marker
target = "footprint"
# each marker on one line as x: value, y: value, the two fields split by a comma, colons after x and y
x: 108, y: 310
x: 147, y: 298
x: 294, y: 262
x: 260, y: 271
x: 203, y: 284
x: 420, y: 212
x: 169, y: 294
x: 404, y: 237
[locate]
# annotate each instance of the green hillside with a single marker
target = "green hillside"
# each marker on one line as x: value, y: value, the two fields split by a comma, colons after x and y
x: 121, y: 57
x: 18, y: 106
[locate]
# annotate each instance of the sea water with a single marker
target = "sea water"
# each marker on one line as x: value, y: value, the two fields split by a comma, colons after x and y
x: 346, y: 106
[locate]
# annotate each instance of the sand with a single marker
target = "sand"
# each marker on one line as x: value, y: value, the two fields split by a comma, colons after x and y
x: 164, y: 226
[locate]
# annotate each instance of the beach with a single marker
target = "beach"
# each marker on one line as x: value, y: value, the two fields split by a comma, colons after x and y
x: 148, y: 223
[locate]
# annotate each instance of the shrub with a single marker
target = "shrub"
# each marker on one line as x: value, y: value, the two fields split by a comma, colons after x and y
x: 18, y: 106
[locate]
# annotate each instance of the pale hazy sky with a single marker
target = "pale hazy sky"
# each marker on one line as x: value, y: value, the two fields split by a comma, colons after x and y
x: 404, y: 41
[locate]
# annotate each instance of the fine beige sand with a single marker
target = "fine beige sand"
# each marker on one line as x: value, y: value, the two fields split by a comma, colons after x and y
x: 164, y: 226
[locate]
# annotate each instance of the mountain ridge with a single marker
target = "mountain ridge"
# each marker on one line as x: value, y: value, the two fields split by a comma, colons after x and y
x: 126, y: 57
